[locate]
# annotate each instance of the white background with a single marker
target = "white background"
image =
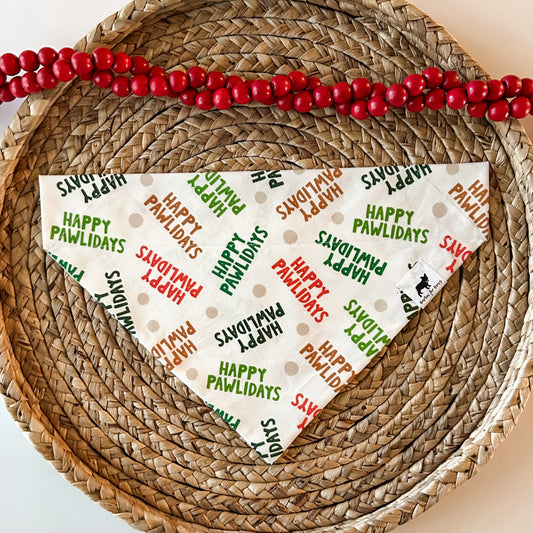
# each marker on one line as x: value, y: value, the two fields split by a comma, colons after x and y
x: 35, y: 498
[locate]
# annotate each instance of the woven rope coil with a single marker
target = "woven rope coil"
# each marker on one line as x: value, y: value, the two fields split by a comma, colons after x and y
x: 418, y: 422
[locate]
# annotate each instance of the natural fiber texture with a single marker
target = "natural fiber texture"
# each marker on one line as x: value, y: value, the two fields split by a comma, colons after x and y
x: 419, y: 421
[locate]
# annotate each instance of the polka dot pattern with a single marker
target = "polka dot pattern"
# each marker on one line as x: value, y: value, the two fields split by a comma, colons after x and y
x: 153, y: 325
x: 259, y: 291
x: 147, y: 180
x: 191, y: 374
x: 337, y: 218
x: 452, y: 169
x: 302, y: 329
x: 143, y: 298
x: 381, y: 305
x: 440, y: 210
x: 211, y: 312
x: 290, y: 236
x: 135, y: 220
x: 291, y: 368
x: 261, y: 197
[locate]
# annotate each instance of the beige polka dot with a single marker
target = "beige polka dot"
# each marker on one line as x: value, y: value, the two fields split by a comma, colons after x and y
x: 143, y: 298
x: 135, y: 220
x: 381, y: 305
x: 261, y: 197
x: 291, y: 368
x: 302, y: 329
x: 290, y: 237
x: 191, y: 374
x: 452, y: 169
x: 259, y: 291
x: 299, y: 171
x: 439, y: 209
x: 211, y: 312
x: 337, y: 218
x: 153, y: 325
x: 147, y: 180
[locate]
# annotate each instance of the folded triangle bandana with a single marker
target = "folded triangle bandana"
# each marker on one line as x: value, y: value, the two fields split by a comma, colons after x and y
x: 266, y: 291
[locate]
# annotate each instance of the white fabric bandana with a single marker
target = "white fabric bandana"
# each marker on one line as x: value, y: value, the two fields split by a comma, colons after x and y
x: 266, y: 292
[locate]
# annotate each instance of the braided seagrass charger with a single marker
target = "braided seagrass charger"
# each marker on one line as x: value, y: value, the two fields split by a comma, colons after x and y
x: 420, y: 420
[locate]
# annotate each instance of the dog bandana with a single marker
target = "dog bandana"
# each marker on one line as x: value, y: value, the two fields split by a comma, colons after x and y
x: 266, y: 291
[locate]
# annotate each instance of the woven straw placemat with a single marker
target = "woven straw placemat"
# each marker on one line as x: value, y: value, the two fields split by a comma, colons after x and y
x: 419, y: 421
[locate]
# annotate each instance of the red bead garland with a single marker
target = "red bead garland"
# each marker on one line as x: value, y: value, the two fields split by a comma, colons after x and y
x: 435, y: 89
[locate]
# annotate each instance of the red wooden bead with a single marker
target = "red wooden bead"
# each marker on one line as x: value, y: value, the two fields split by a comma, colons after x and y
x: 281, y: 85
x: 451, y: 80
x: 157, y: 71
x: 456, y: 98
x: 313, y: 83
x: 231, y: 81
x: 435, y: 99
x: 527, y: 87
x: 415, y: 84
x: 62, y: 70
x: 322, y: 96
x: 378, y: 89
x: 9, y: 64
x: 46, y: 56
x: 342, y: 93
x: 103, y: 78
x: 298, y: 80
x: 520, y: 107
x: 361, y: 88
x: 271, y: 100
x: 303, y: 102
x: 215, y: 80
x: 285, y: 102
x: 261, y: 91
x: 103, y: 58
x: 188, y: 96
x: 222, y: 98
x: 204, y: 100
x: 433, y: 76
x: 197, y: 76
x: 29, y: 82
x: 87, y: 76
x: 123, y: 63
x: 139, y: 66
x: 344, y: 108
x: 66, y: 53
x: 377, y: 106
x: 415, y: 104
x: 16, y: 88
x: 396, y: 95
x: 496, y: 90
x: 121, y: 86
x: 81, y: 63
x: 513, y: 85
x: 178, y: 81
x: 140, y: 85
x: 3, y: 78
x: 241, y: 93
x: 28, y: 61
x: 5, y: 94
x: 159, y: 86
x: 477, y: 90
x: 46, y: 78
x: 499, y: 110
x: 477, y: 109
x: 359, y: 110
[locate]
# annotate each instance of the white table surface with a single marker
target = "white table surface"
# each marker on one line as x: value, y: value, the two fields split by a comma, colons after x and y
x: 34, y: 498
